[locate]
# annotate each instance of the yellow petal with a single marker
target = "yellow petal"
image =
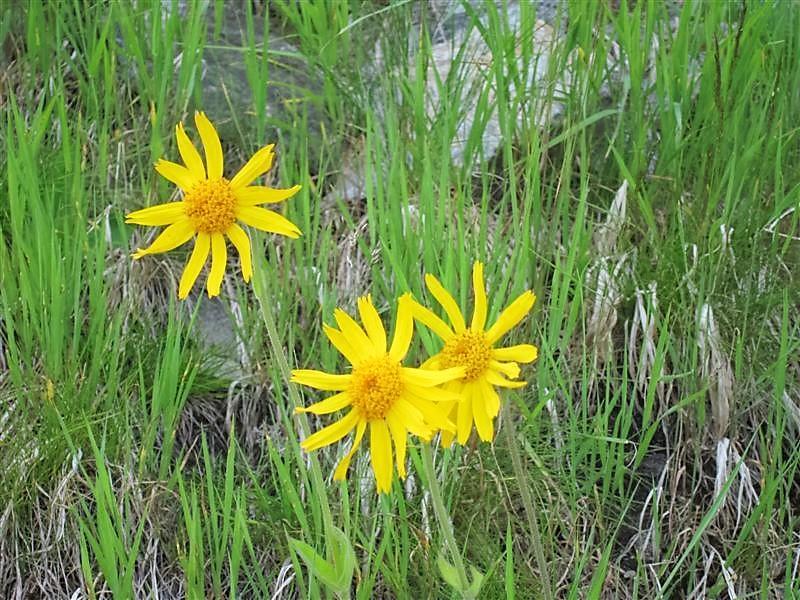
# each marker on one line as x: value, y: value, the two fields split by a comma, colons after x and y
x: 241, y: 242
x: 267, y: 220
x: 448, y: 303
x: 372, y: 323
x: 321, y: 380
x: 380, y: 448
x: 257, y: 194
x: 177, y: 174
x: 353, y: 333
x: 464, y: 418
x: 495, y: 378
x: 512, y: 315
x: 340, y: 342
x: 341, y: 469
x: 509, y: 369
x: 403, y: 330
x: 173, y: 236
x: 451, y: 410
x: 211, y: 145
x: 490, y: 398
x: 434, y: 394
x: 434, y: 414
x: 329, y: 405
x: 195, y: 264
x: 219, y: 258
x: 332, y: 433
x: 412, y: 418
x: 479, y: 316
x: 432, y: 364
x: 522, y: 353
x: 400, y: 439
x: 447, y: 438
x: 189, y: 154
x: 160, y: 214
x: 426, y: 378
x: 258, y: 164
x: 431, y: 321
x: 483, y: 424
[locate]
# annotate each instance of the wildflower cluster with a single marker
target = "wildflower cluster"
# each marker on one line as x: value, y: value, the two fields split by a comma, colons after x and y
x: 449, y: 393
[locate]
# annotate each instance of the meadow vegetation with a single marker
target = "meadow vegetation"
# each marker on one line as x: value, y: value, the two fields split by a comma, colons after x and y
x: 643, y: 181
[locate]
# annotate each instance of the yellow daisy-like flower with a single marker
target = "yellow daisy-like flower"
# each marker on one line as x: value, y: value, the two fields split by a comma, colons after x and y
x: 486, y: 367
x: 211, y: 207
x: 379, y: 391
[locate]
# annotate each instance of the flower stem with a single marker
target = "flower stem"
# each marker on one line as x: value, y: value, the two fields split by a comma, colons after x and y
x: 279, y: 355
x: 527, y: 501
x: 442, y: 516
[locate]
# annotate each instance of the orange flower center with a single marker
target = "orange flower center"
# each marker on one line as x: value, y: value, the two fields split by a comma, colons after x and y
x: 468, y: 349
x: 211, y: 205
x: 375, y: 387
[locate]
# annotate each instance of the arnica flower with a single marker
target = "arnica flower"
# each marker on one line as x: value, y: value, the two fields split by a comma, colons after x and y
x: 473, y: 347
x: 379, y: 391
x: 211, y: 208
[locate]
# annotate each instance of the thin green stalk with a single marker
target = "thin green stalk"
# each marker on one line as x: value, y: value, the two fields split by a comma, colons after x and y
x: 442, y: 516
x: 527, y: 501
x: 279, y: 355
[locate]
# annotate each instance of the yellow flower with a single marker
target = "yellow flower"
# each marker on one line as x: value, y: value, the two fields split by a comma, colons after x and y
x: 486, y: 367
x: 379, y: 391
x: 211, y: 207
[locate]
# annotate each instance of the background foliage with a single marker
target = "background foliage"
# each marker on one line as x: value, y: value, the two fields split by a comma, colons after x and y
x: 642, y: 180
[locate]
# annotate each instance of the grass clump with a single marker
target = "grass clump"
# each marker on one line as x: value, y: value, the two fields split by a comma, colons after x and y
x: 634, y: 165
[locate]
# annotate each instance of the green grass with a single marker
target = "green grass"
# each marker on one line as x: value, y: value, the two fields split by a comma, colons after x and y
x: 659, y: 433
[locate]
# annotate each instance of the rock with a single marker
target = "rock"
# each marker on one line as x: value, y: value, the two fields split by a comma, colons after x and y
x: 477, y: 75
x: 227, y: 88
x: 217, y: 334
x: 450, y: 32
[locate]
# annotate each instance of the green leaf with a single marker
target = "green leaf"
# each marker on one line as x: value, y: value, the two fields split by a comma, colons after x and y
x: 320, y: 568
x: 344, y: 558
x: 510, y: 591
x: 477, y: 582
x: 449, y: 573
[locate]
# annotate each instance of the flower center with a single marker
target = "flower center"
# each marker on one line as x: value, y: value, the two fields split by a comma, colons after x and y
x: 468, y: 349
x: 211, y: 205
x: 375, y: 386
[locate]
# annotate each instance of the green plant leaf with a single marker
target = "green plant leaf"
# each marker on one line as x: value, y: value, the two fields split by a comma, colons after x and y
x: 449, y: 573
x: 477, y: 582
x: 318, y: 566
x: 344, y: 558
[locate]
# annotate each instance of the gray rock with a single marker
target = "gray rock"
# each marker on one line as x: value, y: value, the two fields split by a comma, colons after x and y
x: 451, y: 32
x: 217, y: 333
x: 227, y: 89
